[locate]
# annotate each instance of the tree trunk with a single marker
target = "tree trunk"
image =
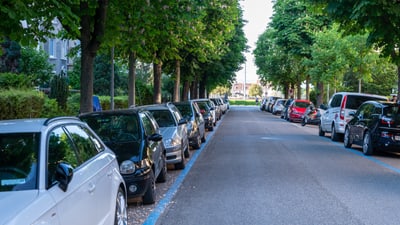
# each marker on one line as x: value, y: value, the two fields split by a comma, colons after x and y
x: 194, y: 90
x: 308, y: 88
x: 398, y: 83
x: 298, y: 87
x: 186, y: 91
x: 112, y: 84
x: 202, y: 88
x: 92, y: 30
x: 157, y: 83
x: 131, y: 79
x: 177, y: 84
x: 320, y: 94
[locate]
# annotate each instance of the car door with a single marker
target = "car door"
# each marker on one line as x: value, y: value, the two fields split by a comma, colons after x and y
x: 154, y: 147
x: 83, y: 193
x: 331, y: 113
x: 363, y: 115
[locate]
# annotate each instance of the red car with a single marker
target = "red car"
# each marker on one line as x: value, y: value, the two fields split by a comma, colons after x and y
x: 297, y: 109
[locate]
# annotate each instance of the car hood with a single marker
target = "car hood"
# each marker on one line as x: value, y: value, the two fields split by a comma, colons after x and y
x: 168, y: 132
x: 13, y: 202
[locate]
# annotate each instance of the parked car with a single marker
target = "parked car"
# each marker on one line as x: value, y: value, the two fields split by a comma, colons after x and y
x: 206, y: 111
x: 216, y: 105
x: 215, y: 109
x: 337, y: 112
x: 196, y: 128
x: 375, y: 126
x: 135, y: 137
x: 263, y: 104
x: 297, y: 109
x: 312, y: 115
x: 221, y: 103
x: 174, y: 131
x: 56, y: 171
x: 278, y: 106
x: 270, y: 103
x: 226, y: 101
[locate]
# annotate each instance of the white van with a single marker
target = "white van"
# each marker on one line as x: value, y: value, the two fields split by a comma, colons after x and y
x: 336, y: 114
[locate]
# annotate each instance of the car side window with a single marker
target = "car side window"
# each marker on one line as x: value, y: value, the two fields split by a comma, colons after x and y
x: 85, y: 147
x: 60, y: 149
x: 336, y: 100
x: 147, y: 124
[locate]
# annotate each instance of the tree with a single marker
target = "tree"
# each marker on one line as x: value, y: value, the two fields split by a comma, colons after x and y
x: 255, y: 90
x: 378, y: 18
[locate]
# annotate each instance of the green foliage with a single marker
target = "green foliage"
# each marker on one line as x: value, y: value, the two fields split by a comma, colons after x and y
x: 35, y: 64
x: 255, y: 90
x: 16, y: 103
x: 59, y: 90
x: 13, y: 80
x: 10, y: 57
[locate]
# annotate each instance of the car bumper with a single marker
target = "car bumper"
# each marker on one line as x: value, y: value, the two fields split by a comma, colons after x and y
x: 387, y: 144
x: 137, y: 185
x: 174, y: 154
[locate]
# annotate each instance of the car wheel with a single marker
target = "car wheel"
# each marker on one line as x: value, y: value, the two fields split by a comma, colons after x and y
x: 121, y: 214
x: 303, y: 122
x: 187, y: 152
x: 162, y: 177
x: 334, y: 134
x: 347, y: 141
x: 181, y: 165
x: 149, y: 196
x: 367, y: 144
x: 203, y: 139
x: 320, y: 131
x: 198, y: 142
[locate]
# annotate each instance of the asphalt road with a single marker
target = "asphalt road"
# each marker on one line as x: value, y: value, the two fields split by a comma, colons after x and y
x: 259, y: 169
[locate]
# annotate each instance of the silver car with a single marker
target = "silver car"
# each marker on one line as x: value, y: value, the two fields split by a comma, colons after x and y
x: 174, y: 131
x: 57, y: 171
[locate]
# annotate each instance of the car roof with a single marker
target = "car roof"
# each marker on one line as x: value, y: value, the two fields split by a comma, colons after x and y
x: 31, y: 124
x: 133, y: 110
x: 359, y: 94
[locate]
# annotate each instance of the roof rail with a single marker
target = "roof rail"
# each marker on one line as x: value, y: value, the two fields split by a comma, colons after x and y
x: 53, y: 119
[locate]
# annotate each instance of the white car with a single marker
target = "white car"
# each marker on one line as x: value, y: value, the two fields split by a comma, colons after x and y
x: 337, y: 113
x: 57, y: 171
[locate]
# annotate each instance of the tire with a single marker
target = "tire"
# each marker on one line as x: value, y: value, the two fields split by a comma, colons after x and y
x: 334, y: 134
x: 198, y: 142
x: 347, y: 140
x: 187, y: 152
x: 367, y: 144
x: 203, y: 139
x: 162, y: 177
x: 121, y: 214
x: 303, y: 122
x: 181, y: 165
x: 320, y: 131
x: 149, y: 196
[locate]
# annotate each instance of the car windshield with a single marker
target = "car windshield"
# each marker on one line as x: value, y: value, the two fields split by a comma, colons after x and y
x: 120, y: 132
x: 164, y: 118
x: 185, y: 110
x: 302, y: 104
x: 18, y: 161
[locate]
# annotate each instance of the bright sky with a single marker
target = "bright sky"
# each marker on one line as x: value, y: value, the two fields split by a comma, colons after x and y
x: 257, y: 13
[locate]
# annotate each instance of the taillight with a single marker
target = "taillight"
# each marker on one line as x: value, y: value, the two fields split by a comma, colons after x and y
x: 342, y: 111
x: 387, y: 121
x: 202, y: 111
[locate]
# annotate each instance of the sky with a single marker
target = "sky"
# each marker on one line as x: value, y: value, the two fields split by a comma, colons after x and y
x: 257, y: 13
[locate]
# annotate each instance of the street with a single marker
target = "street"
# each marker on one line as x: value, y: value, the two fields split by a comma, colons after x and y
x: 259, y: 169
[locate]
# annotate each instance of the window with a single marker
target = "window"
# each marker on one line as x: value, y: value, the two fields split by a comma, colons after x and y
x: 336, y: 100
x: 52, y: 48
x: 147, y: 124
x: 85, y: 148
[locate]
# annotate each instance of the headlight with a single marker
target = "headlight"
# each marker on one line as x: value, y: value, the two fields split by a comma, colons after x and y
x: 127, y: 167
x: 171, y: 142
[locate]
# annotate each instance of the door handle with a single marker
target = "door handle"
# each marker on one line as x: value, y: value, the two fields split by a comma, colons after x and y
x: 92, y: 187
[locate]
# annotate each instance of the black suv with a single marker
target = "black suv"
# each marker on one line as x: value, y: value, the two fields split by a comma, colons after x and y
x: 134, y: 136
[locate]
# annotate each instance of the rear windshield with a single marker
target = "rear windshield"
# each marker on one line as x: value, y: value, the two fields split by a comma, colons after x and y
x: 302, y: 104
x: 18, y: 161
x: 391, y: 111
x: 354, y: 101
x: 185, y: 110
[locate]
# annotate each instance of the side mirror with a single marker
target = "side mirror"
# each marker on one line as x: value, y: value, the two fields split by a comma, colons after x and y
x: 182, y: 121
x: 64, y: 174
x: 155, y: 137
x: 352, y: 113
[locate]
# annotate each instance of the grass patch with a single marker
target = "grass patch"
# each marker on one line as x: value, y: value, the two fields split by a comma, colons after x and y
x: 242, y: 102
